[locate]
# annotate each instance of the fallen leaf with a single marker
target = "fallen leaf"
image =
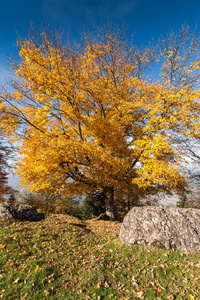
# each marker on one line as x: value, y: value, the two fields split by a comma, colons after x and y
x: 16, y: 280
x: 97, y: 286
x: 140, y: 295
x: 36, y: 269
x: 23, y: 253
x: 46, y: 293
x: 25, y: 296
x: 9, y: 264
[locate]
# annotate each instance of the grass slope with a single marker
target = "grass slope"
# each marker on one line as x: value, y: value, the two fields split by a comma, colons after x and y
x: 64, y: 258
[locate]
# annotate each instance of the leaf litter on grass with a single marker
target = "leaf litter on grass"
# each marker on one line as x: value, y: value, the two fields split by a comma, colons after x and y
x: 62, y: 257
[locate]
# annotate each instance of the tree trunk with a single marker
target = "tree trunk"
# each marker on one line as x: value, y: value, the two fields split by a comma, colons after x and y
x: 110, y: 207
x: 129, y: 207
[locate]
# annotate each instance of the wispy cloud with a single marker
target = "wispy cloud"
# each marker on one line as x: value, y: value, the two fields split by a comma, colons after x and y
x: 87, y: 12
x: 124, y: 8
x: 66, y: 11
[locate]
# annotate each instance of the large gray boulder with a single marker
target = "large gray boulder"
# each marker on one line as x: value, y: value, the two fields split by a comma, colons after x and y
x: 20, y: 212
x: 167, y: 227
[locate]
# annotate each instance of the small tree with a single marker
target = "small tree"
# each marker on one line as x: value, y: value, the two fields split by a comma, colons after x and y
x: 12, y: 198
x: 93, y: 205
x: 66, y: 205
x: 28, y: 198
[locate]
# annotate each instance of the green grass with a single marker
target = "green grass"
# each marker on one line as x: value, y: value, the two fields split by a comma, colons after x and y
x: 62, y: 258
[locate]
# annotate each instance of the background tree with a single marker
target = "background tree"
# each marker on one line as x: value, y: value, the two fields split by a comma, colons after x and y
x: 52, y: 204
x: 90, y: 118
x: 12, y: 198
x: 191, y: 151
x: 193, y: 198
x: 123, y: 204
x: 190, y: 199
x: 5, y: 155
x: 94, y: 204
x: 182, y: 202
x: 25, y: 197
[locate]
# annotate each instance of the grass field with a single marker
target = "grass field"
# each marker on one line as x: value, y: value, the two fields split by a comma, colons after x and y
x: 64, y: 258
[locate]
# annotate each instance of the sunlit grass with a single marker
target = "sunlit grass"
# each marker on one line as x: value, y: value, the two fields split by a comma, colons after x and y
x: 63, y: 258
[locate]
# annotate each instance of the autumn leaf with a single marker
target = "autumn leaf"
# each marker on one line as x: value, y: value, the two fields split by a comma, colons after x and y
x: 140, y: 295
x: 23, y: 253
x: 9, y: 264
x: 46, y: 293
x: 16, y: 280
x: 97, y: 287
x: 36, y: 269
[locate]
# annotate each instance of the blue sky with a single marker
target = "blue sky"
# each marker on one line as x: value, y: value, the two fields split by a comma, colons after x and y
x: 146, y: 19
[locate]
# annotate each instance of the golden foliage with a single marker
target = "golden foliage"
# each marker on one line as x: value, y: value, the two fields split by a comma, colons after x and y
x: 87, y: 118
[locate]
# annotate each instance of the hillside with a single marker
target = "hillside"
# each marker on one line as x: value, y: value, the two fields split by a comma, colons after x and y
x: 64, y: 258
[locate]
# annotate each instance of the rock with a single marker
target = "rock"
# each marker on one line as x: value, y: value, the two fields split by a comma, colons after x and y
x: 168, y: 227
x: 20, y: 212
x: 5, y: 211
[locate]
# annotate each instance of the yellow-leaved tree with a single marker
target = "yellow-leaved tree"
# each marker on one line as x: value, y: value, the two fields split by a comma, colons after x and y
x: 87, y: 117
